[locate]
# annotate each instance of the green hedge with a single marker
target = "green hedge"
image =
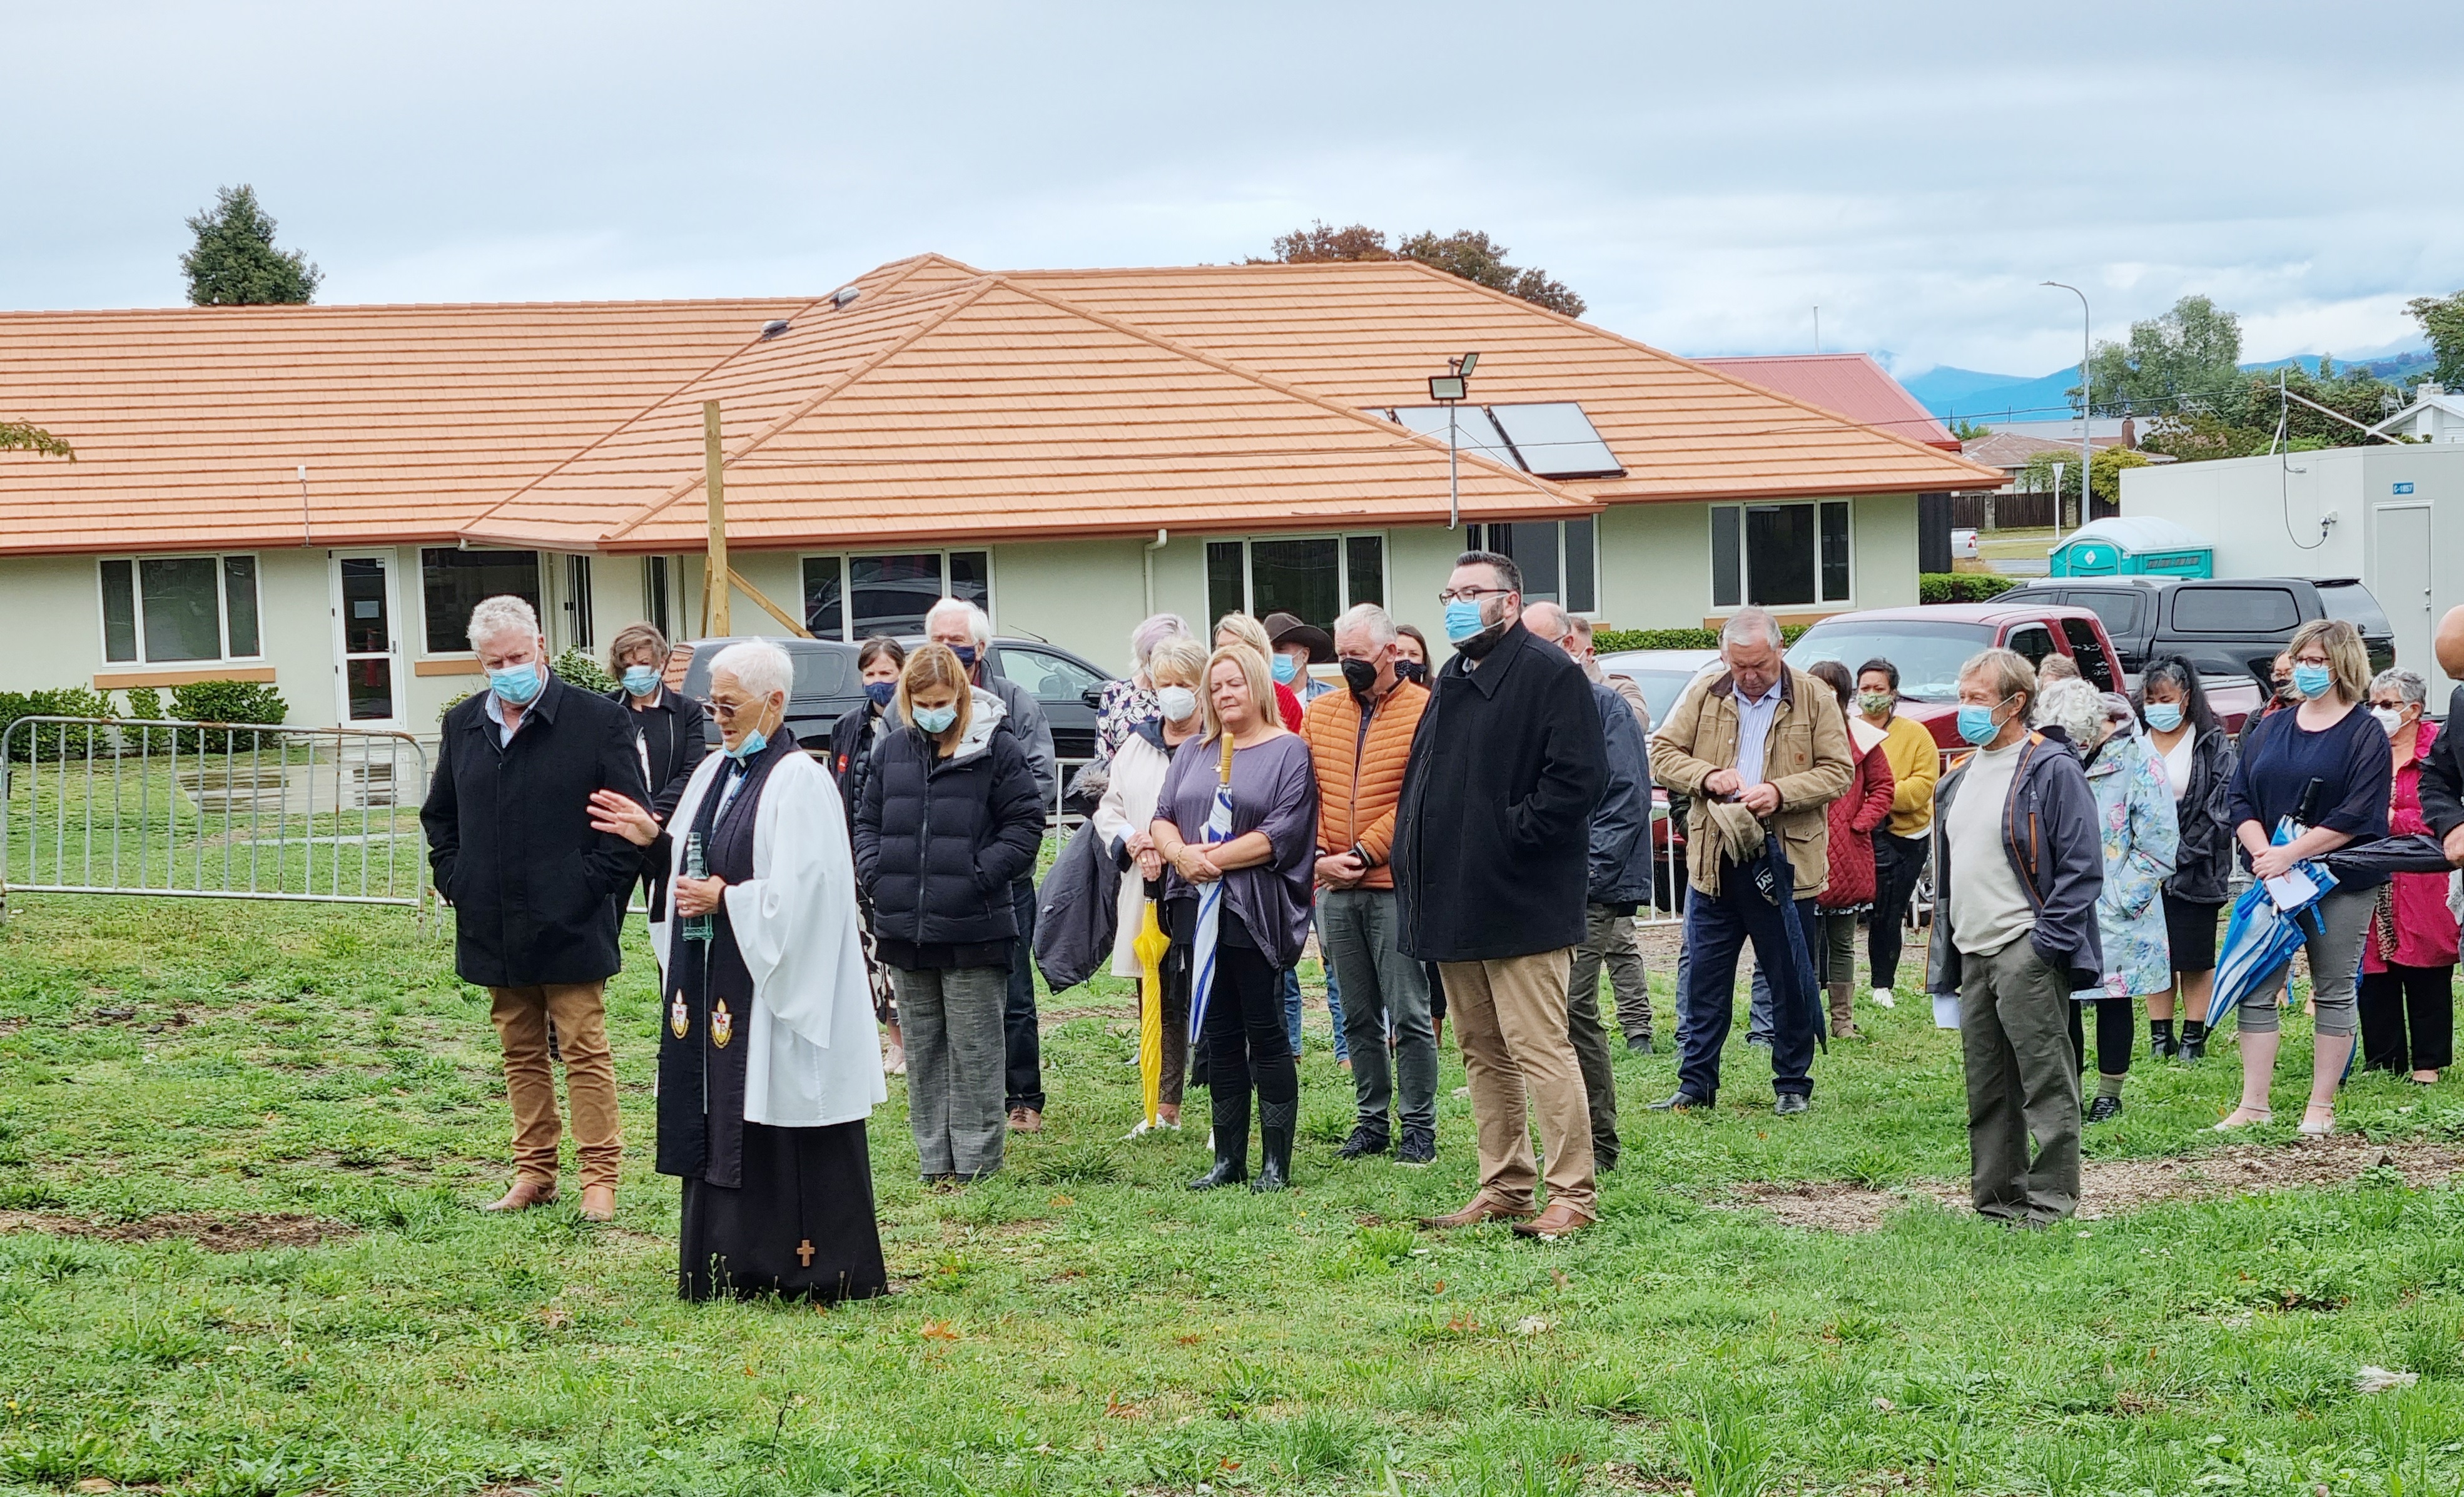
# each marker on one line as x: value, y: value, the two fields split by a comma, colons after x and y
x: 1963, y: 586
x: 54, y: 741
x: 1610, y: 640
x: 199, y: 701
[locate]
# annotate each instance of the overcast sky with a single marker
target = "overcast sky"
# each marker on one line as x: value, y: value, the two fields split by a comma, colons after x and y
x: 1704, y: 175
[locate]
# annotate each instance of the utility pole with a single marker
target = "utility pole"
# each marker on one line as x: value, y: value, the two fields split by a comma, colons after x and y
x: 715, y: 579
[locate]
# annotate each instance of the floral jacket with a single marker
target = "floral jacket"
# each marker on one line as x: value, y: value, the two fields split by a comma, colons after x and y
x: 2135, y: 816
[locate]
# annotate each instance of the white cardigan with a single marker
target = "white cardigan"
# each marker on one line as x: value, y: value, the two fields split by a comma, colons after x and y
x: 811, y: 1059
x: 1128, y: 805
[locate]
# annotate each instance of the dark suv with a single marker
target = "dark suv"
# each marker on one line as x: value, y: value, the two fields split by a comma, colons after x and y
x: 2226, y: 625
x: 827, y: 687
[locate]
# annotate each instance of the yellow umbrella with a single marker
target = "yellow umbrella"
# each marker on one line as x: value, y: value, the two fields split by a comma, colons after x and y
x: 1150, y: 945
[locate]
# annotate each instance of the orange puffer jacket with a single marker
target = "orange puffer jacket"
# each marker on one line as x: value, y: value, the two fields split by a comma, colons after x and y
x: 1361, y: 771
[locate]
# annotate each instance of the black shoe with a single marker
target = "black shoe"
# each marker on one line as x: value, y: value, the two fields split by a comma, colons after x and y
x: 1641, y: 1046
x: 1364, y: 1140
x: 1682, y: 1102
x: 2194, y: 1042
x: 1790, y: 1103
x: 1275, y: 1121
x: 2104, y: 1110
x: 1418, y: 1146
x: 1231, y: 1119
x: 2161, y: 1043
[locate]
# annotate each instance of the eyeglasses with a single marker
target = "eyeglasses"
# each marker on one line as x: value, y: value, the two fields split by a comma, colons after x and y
x: 1471, y: 594
x: 729, y: 710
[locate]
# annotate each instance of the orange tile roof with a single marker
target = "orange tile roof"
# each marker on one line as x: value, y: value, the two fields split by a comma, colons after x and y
x: 1851, y: 384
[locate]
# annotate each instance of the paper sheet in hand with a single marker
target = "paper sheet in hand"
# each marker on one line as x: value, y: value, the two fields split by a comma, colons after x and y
x: 2292, y: 888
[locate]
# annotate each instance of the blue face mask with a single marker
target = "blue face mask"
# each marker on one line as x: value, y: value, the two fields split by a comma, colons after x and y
x: 1286, y: 670
x: 640, y: 680
x: 881, y: 694
x: 1463, y: 619
x: 966, y: 654
x: 2164, y: 716
x: 2312, y: 680
x: 1977, y: 723
x: 518, y: 686
x: 935, y: 720
x: 754, y: 744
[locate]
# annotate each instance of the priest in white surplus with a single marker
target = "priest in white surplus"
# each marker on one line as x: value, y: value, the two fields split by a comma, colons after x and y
x: 768, y: 1065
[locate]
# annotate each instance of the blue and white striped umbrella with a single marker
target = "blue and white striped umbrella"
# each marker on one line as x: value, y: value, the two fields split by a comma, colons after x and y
x: 1210, y: 900
x: 2262, y: 938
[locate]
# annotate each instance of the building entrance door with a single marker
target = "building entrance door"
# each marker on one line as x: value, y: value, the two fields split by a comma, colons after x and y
x: 369, y: 679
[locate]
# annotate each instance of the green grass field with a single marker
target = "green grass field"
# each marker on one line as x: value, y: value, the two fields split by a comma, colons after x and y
x: 313, y: 1085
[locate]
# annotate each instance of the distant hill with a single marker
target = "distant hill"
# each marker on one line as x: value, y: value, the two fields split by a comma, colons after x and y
x: 1974, y: 395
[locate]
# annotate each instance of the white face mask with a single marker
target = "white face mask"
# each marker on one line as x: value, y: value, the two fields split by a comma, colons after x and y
x: 1178, y: 703
x: 2390, y: 718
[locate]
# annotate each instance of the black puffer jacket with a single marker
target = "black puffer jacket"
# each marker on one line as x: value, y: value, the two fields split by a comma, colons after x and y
x: 939, y: 841
x: 853, y: 739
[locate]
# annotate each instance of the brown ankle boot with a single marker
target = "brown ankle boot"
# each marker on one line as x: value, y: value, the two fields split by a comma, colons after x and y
x: 1843, y: 1023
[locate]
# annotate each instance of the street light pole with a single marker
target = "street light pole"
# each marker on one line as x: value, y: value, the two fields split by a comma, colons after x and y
x: 2087, y: 408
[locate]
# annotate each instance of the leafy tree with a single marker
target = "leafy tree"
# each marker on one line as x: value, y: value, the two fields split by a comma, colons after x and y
x: 1466, y: 252
x: 1967, y: 431
x: 2242, y: 420
x: 2442, y: 319
x: 2193, y: 350
x: 19, y: 437
x: 234, y: 263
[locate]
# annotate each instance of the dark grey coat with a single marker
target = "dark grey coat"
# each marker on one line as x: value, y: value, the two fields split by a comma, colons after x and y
x: 1620, y: 863
x: 2051, y: 836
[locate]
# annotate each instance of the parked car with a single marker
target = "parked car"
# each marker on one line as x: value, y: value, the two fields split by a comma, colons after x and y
x: 1962, y: 544
x: 1664, y: 675
x: 1929, y: 644
x: 2223, y: 626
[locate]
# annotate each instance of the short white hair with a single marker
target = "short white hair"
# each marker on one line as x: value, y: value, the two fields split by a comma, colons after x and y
x: 504, y: 614
x: 758, y: 665
x: 1746, y: 623
x: 1370, y: 619
x: 980, y: 626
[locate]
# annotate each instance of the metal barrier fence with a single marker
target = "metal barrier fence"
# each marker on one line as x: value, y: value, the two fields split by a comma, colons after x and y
x: 98, y: 805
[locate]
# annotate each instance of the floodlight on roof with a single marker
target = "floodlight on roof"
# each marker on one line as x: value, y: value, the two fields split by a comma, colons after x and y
x: 1463, y: 365
x: 1446, y: 388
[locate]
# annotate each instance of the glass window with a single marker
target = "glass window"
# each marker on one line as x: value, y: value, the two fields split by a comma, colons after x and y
x: 366, y: 630
x: 2032, y: 640
x: 2089, y: 652
x: 180, y: 602
x: 654, y: 593
x: 1046, y: 677
x: 1364, y: 562
x: 1227, y: 581
x: 2117, y: 608
x: 2234, y: 610
x: 971, y: 578
x: 239, y: 604
x: 1728, y: 557
x: 1928, y: 653
x: 1296, y: 577
x: 1779, y: 555
x: 1582, y: 567
x: 824, y: 597
x: 1533, y: 546
x: 577, y: 601
x: 452, y: 582
x: 2355, y: 604
x: 119, y: 610
x: 822, y: 671
x: 1557, y: 556
x: 1835, y: 552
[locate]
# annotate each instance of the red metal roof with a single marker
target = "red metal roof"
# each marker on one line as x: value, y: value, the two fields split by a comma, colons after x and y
x: 1852, y: 385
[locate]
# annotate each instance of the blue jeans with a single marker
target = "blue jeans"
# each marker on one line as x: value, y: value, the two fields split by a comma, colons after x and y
x: 1333, y: 1006
x: 1717, y: 929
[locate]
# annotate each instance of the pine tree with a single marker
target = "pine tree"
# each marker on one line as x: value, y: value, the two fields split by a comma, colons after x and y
x: 234, y: 263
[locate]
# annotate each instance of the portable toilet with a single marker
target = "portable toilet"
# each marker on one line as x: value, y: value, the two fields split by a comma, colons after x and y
x: 2134, y: 545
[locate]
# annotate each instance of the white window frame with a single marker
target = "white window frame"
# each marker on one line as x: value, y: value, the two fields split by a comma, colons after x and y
x: 846, y: 573
x: 1342, y: 566
x: 1596, y: 609
x: 137, y: 600
x: 1745, y: 560
x: 417, y: 580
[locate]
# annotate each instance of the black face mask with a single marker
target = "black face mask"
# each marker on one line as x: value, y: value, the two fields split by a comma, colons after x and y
x: 1361, y: 676
x: 1410, y: 670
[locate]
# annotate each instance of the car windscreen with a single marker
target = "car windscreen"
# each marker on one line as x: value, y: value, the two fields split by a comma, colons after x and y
x: 1927, y: 654
x: 1660, y: 689
x: 2354, y: 604
x: 822, y: 671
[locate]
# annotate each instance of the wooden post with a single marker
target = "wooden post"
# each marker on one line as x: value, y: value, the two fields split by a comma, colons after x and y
x: 717, y: 582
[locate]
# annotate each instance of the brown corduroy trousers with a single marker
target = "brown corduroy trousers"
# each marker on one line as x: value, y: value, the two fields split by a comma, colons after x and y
x: 522, y: 1016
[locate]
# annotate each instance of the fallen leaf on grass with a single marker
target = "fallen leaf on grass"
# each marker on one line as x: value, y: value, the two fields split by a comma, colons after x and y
x: 938, y: 1331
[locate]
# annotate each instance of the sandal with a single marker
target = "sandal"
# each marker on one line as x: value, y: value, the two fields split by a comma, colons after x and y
x: 2257, y: 1116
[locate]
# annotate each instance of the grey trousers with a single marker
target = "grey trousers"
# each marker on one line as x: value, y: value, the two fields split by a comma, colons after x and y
x: 2334, y: 968
x: 955, y: 1060
x: 2015, y: 1033
x: 1608, y: 937
x: 1358, y: 928
x: 1590, y: 1042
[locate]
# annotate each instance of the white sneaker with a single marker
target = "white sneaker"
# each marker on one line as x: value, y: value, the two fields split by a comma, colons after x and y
x: 1884, y: 997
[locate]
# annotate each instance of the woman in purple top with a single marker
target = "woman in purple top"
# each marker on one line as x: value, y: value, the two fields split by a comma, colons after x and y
x: 1265, y: 869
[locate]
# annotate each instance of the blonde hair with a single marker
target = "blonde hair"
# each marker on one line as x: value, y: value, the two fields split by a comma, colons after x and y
x: 2348, y: 659
x: 1182, y: 655
x: 930, y: 668
x: 1253, y: 670
x: 1247, y: 630
x: 2012, y: 673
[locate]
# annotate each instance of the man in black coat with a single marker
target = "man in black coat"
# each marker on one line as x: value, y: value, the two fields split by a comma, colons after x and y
x: 534, y: 889
x: 2442, y: 773
x: 1491, y: 865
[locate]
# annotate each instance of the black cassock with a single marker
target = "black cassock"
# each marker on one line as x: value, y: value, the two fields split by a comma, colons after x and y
x: 784, y: 1211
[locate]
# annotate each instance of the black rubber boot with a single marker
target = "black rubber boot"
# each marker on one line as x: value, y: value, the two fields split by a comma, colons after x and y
x: 2194, y: 1042
x: 1231, y: 1140
x: 1275, y: 1120
x: 2160, y: 1039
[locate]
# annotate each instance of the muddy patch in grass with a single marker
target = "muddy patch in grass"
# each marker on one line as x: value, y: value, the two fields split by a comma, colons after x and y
x: 2115, y: 1187
x: 248, y: 1233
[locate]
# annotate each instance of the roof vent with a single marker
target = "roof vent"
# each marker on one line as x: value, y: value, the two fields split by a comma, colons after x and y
x: 774, y: 328
x: 845, y: 298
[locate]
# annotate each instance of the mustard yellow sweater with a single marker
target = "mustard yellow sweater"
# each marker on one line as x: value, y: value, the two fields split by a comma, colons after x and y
x: 1916, y: 761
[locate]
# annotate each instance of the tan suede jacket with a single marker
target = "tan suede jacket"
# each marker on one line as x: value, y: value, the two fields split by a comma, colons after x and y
x: 1806, y: 758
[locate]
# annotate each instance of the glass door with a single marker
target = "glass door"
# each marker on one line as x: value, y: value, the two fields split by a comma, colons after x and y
x: 365, y: 623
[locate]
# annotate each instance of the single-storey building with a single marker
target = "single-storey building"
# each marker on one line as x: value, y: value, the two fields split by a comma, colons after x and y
x: 315, y: 497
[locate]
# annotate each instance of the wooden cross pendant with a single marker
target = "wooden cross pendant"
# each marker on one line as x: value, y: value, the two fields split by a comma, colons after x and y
x: 804, y: 1252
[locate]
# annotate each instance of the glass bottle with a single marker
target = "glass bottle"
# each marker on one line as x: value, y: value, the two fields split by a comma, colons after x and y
x: 696, y: 926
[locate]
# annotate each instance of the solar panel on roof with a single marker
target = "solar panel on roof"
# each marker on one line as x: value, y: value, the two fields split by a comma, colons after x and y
x: 1474, y: 432
x: 1556, y: 440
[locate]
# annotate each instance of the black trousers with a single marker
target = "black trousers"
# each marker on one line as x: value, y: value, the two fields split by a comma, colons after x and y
x: 1246, y: 1043
x: 2115, y: 1032
x: 1898, y: 862
x: 2408, y: 1018
x: 1021, y: 1039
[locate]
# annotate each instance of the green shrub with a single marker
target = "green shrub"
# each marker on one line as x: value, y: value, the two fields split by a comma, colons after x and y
x: 1610, y: 641
x: 58, y: 740
x: 455, y: 700
x: 579, y: 669
x: 1963, y: 586
x: 227, y: 701
x: 144, y: 703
